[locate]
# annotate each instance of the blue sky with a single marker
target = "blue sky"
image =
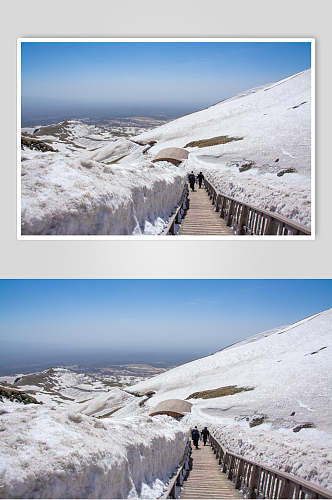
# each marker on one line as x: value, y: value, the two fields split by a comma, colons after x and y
x: 167, y: 74
x: 188, y: 318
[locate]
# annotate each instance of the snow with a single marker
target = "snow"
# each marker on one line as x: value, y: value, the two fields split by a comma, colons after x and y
x: 46, y: 452
x: 67, y: 195
x: 106, y: 403
x: 289, y: 369
x: 274, y: 122
x: 115, y: 150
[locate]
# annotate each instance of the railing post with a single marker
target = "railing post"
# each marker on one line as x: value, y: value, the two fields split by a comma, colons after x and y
x: 239, y: 475
x: 230, y: 471
x: 285, y: 489
x: 222, y: 206
x: 218, y: 202
x: 253, y: 483
x: 242, y: 220
x: 224, y: 467
x: 230, y: 213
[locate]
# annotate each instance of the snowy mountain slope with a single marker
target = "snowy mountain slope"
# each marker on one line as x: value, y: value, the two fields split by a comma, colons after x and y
x: 274, y: 128
x: 64, y: 386
x: 269, y: 365
x: 289, y: 372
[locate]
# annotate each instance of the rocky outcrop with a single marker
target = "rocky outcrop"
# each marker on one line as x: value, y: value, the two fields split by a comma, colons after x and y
x: 35, y: 144
x: 306, y: 425
x: 18, y: 396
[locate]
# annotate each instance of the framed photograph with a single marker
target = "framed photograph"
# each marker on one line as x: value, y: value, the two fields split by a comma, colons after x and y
x: 166, y: 138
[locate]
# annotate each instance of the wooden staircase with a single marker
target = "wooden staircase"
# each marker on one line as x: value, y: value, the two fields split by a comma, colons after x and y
x: 201, y: 217
x: 206, y: 480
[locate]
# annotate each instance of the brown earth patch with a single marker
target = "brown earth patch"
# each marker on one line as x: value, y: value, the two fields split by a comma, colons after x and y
x: 18, y: 396
x: 35, y: 144
x: 213, y: 141
x: 228, y: 390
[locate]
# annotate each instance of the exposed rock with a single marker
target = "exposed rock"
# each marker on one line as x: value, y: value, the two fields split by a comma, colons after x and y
x: 246, y: 166
x: 35, y: 144
x: 145, y: 143
x: 256, y: 420
x: 292, y: 414
x: 286, y: 171
x: 307, y: 425
x: 19, y: 396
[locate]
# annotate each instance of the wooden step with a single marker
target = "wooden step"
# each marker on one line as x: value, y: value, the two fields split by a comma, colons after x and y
x: 206, y: 480
x: 201, y: 217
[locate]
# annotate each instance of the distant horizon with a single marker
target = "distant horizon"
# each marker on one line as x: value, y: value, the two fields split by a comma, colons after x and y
x: 31, y: 117
x: 112, y: 321
x: 176, y: 78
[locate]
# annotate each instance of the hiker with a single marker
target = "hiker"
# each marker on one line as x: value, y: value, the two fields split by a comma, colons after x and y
x: 200, y: 178
x: 205, y: 434
x: 192, y: 180
x: 195, y: 436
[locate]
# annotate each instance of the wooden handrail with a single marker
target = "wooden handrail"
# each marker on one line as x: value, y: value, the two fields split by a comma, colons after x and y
x: 178, y: 214
x: 258, y: 481
x: 247, y: 219
x: 180, y: 475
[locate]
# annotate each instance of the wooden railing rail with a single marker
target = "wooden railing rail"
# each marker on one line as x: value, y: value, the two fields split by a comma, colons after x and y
x: 257, y: 481
x: 179, y: 213
x: 181, y: 475
x: 246, y: 219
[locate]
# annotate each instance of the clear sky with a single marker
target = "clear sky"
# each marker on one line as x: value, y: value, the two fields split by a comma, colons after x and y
x: 165, y: 74
x: 155, y: 319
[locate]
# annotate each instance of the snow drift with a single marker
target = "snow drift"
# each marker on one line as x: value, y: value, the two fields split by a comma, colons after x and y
x: 50, y: 453
x: 289, y: 373
x: 272, y: 128
x: 69, y: 195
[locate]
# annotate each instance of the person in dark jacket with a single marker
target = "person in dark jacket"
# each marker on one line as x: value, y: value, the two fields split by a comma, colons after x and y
x: 192, y: 180
x: 205, y: 434
x: 200, y: 178
x: 195, y: 436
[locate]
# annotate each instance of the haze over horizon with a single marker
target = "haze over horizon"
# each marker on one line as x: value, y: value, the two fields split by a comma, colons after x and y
x: 99, y: 321
x: 79, y: 79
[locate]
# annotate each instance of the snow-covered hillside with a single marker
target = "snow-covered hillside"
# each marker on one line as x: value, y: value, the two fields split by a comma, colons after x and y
x: 289, y: 373
x: 273, y: 125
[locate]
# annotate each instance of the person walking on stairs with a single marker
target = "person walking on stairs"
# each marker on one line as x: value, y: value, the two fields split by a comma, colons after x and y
x: 195, y: 436
x: 200, y: 178
x: 192, y: 180
x: 205, y: 434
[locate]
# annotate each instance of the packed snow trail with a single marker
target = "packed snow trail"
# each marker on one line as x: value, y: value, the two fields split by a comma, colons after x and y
x: 201, y: 218
x: 206, y: 480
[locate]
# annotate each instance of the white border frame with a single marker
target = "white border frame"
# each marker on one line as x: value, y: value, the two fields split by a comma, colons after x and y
x: 177, y: 237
